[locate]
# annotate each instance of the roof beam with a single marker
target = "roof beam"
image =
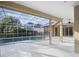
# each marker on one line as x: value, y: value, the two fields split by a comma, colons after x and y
x: 25, y: 9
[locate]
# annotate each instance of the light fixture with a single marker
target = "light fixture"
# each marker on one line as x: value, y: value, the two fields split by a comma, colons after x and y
x: 69, y: 21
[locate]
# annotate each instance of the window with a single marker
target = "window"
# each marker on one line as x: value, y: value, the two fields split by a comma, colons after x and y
x: 56, y: 30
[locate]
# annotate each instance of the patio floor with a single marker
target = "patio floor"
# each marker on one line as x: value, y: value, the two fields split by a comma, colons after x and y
x: 40, y: 48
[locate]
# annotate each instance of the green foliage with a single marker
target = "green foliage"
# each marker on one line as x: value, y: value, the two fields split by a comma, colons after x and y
x: 8, y: 25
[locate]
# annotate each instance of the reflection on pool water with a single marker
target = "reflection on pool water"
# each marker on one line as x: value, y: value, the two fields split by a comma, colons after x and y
x: 14, y: 39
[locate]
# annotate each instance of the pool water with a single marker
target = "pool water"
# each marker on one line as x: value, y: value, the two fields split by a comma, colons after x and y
x: 14, y: 39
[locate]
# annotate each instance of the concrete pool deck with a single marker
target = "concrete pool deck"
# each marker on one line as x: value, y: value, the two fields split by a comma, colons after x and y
x: 40, y: 48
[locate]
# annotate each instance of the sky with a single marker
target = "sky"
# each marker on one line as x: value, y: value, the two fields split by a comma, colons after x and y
x: 24, y: 18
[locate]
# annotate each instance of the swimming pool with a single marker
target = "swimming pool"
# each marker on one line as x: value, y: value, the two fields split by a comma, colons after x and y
x: 14, y: 39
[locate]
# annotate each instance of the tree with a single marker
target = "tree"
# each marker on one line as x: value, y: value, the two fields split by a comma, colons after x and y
x: 9, y: 25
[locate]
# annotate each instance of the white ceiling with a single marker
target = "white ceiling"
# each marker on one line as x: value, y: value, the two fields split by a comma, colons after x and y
x: 63, y: 9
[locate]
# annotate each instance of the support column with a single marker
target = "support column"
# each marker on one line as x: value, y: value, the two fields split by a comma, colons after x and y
x: 64, y: 31
x: 54, y: 31
x: 61, y: 31
x: 50, y: 32
x: 76, y: 28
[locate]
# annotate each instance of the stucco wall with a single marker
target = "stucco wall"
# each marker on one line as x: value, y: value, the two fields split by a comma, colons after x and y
x: 76, y: 28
